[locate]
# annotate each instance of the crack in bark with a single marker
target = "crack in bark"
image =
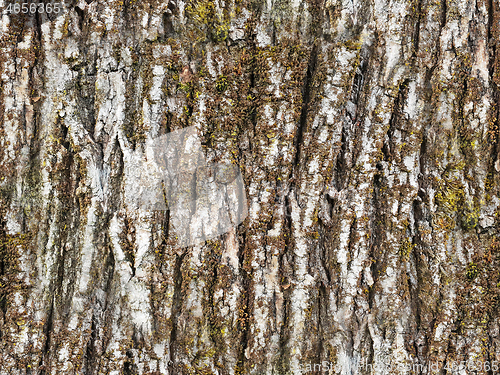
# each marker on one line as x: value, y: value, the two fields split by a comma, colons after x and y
x: 416, y: 34
x: 45, y: 357
x: 90, y: 352
x: 129, y: 366
x: 493, y: 66
x: 444, y: 8
x: 306, y: 98
x: 245, y: 308
x: 388, y: 147
x: 211, y: 315
x: 176, y: 311
x: 284, y: 338
x: 284, y: 274
x: 341, y: 164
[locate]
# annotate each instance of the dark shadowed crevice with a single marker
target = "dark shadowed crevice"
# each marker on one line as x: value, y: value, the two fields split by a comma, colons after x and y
x: 285, y: 274
x: 378, y: 230
x: 323, y: 258
x: 321, y: 306
x: 168, y: 22
x: 114, y: 181
x: 494, y: 74
x: 283, y: 364
x: 416, y: 33
x: 396, y: 120
x: 245, y: 300
x: 81, y: 18
x: 47, y: 330
x: 107, y: 310
x: 213, y: 319
x: 357, y: 88
x: 253, y: 70
x: 38, y: 34
x: 245, y: 306
x: 168, y: 26
x: 129, y: 367
x: 341, y: 171
x: 3, y: 269
x: 352, y: 240
x: 421, y: 216
x: 306, y: 98
x: 492, y: 29
x: 462, y: 131
x: 444, y: 9
x: 166, y: 225
x: 415, y: 290
x: 89, y: 360
x: 99, y: 337
x: 162, y: 218
x: 128, y: 241
x: 176, y: 311
x: 85, y: 85
x: 109, y: 272
x: 421, y: 158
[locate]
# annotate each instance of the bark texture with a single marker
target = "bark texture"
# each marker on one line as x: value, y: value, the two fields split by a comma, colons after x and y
x: 367, y: 136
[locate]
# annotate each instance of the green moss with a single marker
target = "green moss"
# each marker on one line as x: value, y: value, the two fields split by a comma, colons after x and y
x: 147, y: 83
x: 489, y: 182
x: 472, y: 271
x: 470, y: 218
x: 221, y: 32
x: 221, y: 84
x: 9, y: 259
x: 207, y: 21
x: 453, y: 206
x: 353, y: 44
x: 405, y: 249
x: 450, y: 195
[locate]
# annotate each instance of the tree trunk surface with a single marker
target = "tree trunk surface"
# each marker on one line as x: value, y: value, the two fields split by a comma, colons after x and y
x: 366, y: 133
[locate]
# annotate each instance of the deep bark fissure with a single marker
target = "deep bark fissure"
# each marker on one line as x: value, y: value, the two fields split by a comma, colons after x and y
x: 245, y: 300
x: 357, y: 88
x: 284, y: 338
x: 90, y: 352
x: 284, y: 274
x: 306, y: 98
x: 129, y: 367
x: 493, y: 64
x: 47, y: 330
x: 212, y: 316
x: 444, y: 9
x: 107, y: 310
x: 128, y: 242
x: 395, y: 120
x: 81, y: 17
x: 245, y: 311
x: 341, y: 163
x: 252, y: 77
x: 416, y: 33
x: 325, y: 266
x: 377, y: 234
x: 3, y: 269
x: 177, y: 301
x: 322, y: 297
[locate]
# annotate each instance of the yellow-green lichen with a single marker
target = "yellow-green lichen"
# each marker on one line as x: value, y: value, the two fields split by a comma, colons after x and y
x: 405, y: 249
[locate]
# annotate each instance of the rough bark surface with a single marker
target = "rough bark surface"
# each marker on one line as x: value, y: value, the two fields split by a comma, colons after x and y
x: 367, y: 135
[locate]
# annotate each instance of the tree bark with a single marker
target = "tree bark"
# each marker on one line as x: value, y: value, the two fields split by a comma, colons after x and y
x: 367, y: 136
